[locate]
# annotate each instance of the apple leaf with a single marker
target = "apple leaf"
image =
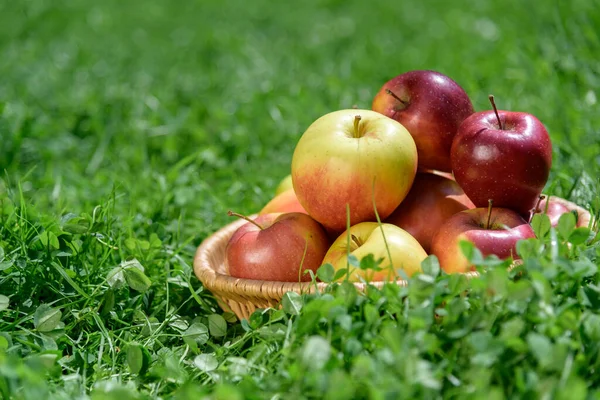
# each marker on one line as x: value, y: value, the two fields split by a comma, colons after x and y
x: 340, y: 273
x: 368, y: 262
x: 136, y: 279
x: 49, y: 240
x: 528, y: 248
x: 566, y: 224
x: 591, y: 327
x: 197, y: 332
x: 46, y: 318
x: 431, y: 266
x: 541, y: 225
x: 258, y: 318
x: 316, y: 352
x: 4, y: 302
x: 138, y: 358
x: 292, y: 303
x: 3, y: 343
x: 472, y: 253
x: 206, y: 362
x: 217, y: 325
x: 326, y: 273
x: 579, y: 236
x: 353, y: 261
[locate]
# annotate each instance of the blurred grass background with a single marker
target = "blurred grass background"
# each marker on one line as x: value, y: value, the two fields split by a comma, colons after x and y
x: 194, y: 107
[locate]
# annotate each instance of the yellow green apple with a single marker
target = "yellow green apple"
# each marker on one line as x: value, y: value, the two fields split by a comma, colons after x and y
x: 353, y: 159
x: 372, y: 238
x: 284, y: 185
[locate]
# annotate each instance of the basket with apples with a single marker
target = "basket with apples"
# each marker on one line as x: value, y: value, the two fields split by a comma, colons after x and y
x: 413, y: 176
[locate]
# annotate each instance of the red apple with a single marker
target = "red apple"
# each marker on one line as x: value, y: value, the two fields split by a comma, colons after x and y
x: 284, y: 202
x: 431, y: 201
x: 277, y: 247
x: 368, y: 238
x: 555, y: 206
x: 353, y: 158
x: 431, y: 106
x: 505, y: 157
x: 496, y: 233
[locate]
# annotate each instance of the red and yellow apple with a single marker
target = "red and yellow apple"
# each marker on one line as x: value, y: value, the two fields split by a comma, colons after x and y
x: 431, y: 201
x: 284, y: 202
x: 496, y: 233
x: 353, y: 158
x: 371, y: 238
x: 277, y: 247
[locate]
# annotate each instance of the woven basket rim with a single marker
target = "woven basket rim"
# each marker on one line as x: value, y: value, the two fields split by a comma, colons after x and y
x: 223, y: 283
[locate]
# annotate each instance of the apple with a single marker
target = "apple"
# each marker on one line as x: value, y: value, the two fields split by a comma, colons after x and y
x: 555, y: 206
x: 504, y: 156
x: 276, y: 247
x: 284, y: 202
x: 492, y: 231
x: 431, y: 106
x: 431, y: 201
x: 356, y: 159
x: 284, y: 185
x: 368, y: 238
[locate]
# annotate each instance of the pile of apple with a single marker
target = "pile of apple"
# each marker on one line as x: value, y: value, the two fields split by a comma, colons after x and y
x: 414, y: 176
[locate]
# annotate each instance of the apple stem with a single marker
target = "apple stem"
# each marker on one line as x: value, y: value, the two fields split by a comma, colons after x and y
x: 357, y: 119
x: 537, y: 207
x: 234, y: 214
x: 491, y: 97
x: 356, y: 240
x: 394, y: 95
x: 489, y: 215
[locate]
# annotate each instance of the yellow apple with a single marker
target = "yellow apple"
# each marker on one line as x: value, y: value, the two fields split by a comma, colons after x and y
x: 351, y: 159
x: 284, y: 185
x: 368, y: 238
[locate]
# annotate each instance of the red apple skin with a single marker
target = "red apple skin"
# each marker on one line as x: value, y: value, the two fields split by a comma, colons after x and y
x: 506, y: 228
x: 433, y: 109
x: 509, y: 166
x: 276, y: 252
x: 558, y: 206
x: 285, y: 202
x: 431, y: 201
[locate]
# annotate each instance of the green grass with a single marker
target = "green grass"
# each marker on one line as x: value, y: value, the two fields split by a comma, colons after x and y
x: 128, y: 129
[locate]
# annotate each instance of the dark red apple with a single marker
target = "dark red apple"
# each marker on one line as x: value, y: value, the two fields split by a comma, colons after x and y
x: 496, y: 233
x: 431, y: 106
x: 277, y: 247
x: 431, y: 201
x: 505, y: 157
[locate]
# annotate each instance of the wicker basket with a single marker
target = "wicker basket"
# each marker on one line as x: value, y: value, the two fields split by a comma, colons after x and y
x: 243, y: 296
